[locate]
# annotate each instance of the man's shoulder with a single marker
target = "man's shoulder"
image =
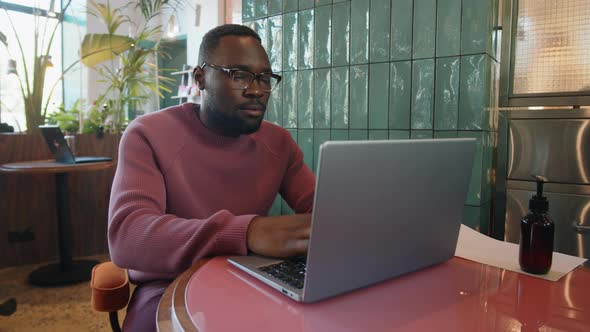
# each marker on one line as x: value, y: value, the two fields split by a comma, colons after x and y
x: 162, y: 121
x: 274, y: 137
x: 166, y: 116
x: 269, y: 130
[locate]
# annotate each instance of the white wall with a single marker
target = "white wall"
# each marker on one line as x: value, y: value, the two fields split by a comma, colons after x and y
x: 212, y: 15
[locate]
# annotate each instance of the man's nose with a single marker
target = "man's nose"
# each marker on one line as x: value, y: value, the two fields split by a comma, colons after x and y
x: 254, y: 89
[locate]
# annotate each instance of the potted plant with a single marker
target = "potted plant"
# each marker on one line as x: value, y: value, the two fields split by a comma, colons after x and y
x: 135, y: 77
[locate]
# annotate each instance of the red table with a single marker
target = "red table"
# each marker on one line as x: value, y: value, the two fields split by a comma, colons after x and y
x: 458, y: 295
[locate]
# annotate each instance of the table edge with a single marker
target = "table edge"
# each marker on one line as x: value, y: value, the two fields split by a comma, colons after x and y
x: 172, y: 309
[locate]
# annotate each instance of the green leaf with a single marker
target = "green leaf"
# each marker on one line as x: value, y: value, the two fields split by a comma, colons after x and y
x: 100, y: 47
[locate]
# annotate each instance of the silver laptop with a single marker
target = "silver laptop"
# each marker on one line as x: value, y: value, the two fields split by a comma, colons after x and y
x: 381, y: 209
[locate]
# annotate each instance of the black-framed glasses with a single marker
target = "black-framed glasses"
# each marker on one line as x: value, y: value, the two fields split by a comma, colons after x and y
x: 241, y: 79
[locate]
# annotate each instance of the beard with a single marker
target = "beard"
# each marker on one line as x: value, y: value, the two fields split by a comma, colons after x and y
x: 230, y: 123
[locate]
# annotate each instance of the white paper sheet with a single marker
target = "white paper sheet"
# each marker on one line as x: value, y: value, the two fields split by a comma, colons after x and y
x: 480, y: 248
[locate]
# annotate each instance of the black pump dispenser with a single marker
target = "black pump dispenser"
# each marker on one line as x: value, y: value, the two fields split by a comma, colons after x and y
x: 539, y: 203
x: 536, y: 233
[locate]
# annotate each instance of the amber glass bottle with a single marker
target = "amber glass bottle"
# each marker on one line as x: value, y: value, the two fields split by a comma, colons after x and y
x: 536, y: 234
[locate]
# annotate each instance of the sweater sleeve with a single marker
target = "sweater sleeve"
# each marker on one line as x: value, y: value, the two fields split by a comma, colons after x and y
x: 142, y: 236
x: 298, y: 185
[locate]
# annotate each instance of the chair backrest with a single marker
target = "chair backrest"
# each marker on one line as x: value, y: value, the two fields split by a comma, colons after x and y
x: 110, y: 287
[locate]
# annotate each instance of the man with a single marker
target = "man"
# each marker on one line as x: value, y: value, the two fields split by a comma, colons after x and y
x: 199, y: 181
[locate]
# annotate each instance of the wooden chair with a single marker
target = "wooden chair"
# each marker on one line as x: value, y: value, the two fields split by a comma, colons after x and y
x: 110, y: 291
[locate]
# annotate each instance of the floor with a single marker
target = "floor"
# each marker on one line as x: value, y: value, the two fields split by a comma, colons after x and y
x: 60, y: 309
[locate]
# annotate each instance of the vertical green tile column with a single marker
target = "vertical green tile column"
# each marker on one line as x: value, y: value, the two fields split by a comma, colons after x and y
x: 385, y: 69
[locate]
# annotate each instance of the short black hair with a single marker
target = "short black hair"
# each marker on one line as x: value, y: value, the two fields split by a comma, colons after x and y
x: 212, y: 37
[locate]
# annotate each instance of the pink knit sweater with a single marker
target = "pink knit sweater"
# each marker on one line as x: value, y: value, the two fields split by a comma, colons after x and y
x: 182, y: 192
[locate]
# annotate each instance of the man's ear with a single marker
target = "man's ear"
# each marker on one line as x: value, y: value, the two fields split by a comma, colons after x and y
x: 199, y: 77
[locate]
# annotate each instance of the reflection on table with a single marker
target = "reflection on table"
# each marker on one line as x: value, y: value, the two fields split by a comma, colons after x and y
x: 458, y: 295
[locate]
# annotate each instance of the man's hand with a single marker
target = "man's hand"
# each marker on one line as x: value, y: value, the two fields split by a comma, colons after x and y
x: 280, y: 236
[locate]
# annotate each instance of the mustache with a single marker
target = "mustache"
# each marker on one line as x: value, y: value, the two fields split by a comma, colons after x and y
x: 254, y: 105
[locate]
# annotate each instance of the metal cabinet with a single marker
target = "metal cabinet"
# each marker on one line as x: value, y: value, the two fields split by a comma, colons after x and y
x: 556, y: 144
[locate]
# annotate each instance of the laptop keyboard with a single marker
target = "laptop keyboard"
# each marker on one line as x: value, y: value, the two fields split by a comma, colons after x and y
x: 290, y: 271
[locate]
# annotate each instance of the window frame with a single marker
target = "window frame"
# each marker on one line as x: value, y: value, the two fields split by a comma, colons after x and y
x: 56, y: 15
x: 507, y: 97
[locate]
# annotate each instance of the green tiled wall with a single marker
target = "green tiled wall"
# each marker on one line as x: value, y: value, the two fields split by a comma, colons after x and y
x: 385, y: 69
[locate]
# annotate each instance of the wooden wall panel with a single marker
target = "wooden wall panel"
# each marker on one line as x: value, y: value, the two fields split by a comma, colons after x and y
x: 27, y: 201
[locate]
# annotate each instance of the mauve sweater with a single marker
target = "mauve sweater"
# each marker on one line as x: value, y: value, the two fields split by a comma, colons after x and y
x: 182, y: 192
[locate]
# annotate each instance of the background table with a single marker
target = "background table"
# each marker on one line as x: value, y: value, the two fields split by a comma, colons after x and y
x: 67, y: 271
x: 458, y: 295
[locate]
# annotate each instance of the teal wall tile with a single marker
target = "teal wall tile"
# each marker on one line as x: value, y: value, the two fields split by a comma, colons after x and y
x: 448, y: 30
x: 319, y: 136
x: 322, y: 41
x: 477, y: 217
x: 339, y: 135
x: 487, y: 167
x: 401, y: 30
x: 321, y: 98
x: 340, y: 84
x: 306, y: 31
x: 421, y: 134
x: 446, y: 105
x: 365, y: 69
x: 445, y: 134
x: 359, y: 94
x: 293, y: 133
x: 305, y: 142
x: 341, y: 37
x: 260, y: 8
x: 399, y: 134
x: 471, y: 216
x: 275, y: 209
x: 285, y: 209
x: 378, y: 95
x: 400, y: 101
x: 475, y: 26
x: 359, y: 32
x: 422, y: 94
x: 471, y: 92
x: 474, y: 193
x: 275, y: 43
x: 493, y: 88
x: 250, y: 25
x: 290, y: 41
x: 424, y: 29
x: 275, y: 7
x: 322, y: 2
x: 290, y: 5
x: 495, y: 38
x: 306, y: 4
x: 289, y: 88
x: 248, y: 10
x: 379, y: 32
x: 274, y: 109
x: 305, y: 99
x: 358, y: 135
x: 378, y: 135
x: 261, y: 28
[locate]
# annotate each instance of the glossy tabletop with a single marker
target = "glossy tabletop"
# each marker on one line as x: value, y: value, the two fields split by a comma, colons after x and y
x: 458, y: 295
x: 52, y: 166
